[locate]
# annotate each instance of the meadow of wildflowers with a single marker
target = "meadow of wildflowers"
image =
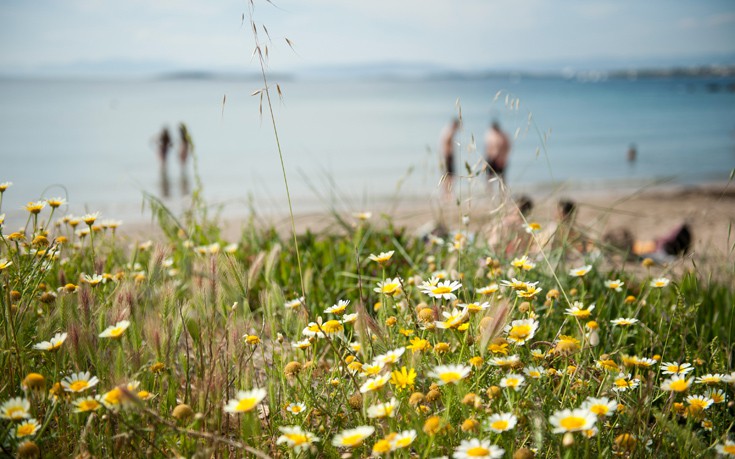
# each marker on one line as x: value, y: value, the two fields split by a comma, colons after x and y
x: 382, y: 344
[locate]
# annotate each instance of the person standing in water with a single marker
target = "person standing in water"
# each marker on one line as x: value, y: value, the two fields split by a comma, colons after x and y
x: 447, y: 148
x: 497, y: 150
x: 184, y: 144
x: 163, y: 143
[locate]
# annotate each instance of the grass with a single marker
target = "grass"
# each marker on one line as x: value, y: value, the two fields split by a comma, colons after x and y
x: 207, y: 320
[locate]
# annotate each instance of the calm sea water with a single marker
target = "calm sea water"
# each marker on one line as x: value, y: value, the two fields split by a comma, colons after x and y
x: 347, y: 142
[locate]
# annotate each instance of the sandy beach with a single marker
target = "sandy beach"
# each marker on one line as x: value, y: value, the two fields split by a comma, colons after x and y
x: 649, y: 213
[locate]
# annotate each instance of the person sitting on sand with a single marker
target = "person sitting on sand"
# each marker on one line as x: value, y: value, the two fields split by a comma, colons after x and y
x: 677, y: 243
x: 497, y: 150
x: 447, y: 148
x: 509, y: 235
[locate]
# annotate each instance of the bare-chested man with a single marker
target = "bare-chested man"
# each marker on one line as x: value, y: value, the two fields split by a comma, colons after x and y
x: 447, y: 148
x: 497, y: 149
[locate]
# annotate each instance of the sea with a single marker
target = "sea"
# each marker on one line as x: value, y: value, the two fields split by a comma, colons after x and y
x: 349, y: 145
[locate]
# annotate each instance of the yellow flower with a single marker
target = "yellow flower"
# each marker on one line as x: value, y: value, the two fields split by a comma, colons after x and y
x: 115, y: 331
x: 419, y: 344
x: 677, y: 383
x: 351, y: 438
x: 26, y: 428
x: 79, y: 382
x: 566, y: 345
x: 245, y: 400
x: 389, y: 287
x: 521, y: 331
x: 382, y: 258
x: 403, y: 379
x: 297, y: 438
x: 449, y: 374
x: 85, y: 404
x: 35, y: 207
x: 252, y: 340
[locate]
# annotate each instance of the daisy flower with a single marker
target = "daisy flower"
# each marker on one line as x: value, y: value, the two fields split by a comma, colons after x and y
x: 115, y: 331
x: 351, y: 438
x: 294, y: 304
x: 616, y: 285
x: 660, y: 282
x: 581, y: 271
x: 624, y: 321
x: 449, y: 374
x: 245, y: 400
x: 362, y: 216
x: 572, y: 420
x: 578, y: 310
x: 452, y: 319
x: 296, y: 408
x: 296, y: 438
x: 677, y: 383
x: 477, y: 449
x: 501, y: 422
x: 676, y: 368
x: 390, y: 356
x: 515, y: 284
x: 338, y: 308
x: 726, y: 449
x: 303, y: 344
x: 699, y: 402
x: 530, y: 292
x: 402, y: 439
x: 475, y: 307
x: 440, y: 290
x: 534, y: 372
x: 383, y: 410
x: 15, y: 408
x: 513, y: 381
x: 717, y: 395
x: 375, y: 383
x: 600, y: 406
x: 79, y: 382
x: 26, y: 428
x: 389, y: 287
x: 382, y: 257
x: 372, y: 369
x: 624, y: 382
x: 52, y: 344
x: 523, y: 263
x: 488, y: 289
x: 532, y: 227
x: 86, y: 404
x: 505, y: 362
x: 521, y: 331
x: 710, y: 379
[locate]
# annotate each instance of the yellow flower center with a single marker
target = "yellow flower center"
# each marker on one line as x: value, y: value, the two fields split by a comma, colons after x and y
x: 352, y: 440
x: 113, y: 397
x: 599, y: 409
x: 698, y: 404
x: 246, y: 404
x: 297, y: 439
x: 76, y: 386
x: 583, y: 313
x: 621, y: 382
x: 511, y: 382
x: 25, y: 429
x: 729, y: 449
x: 15, y: 411
x: 441, y: 290
x: 680, y: 385
x: 116, y: 332
x: 332, y: 326
x: 88, y: 405
x: 390, y: 288
x: 519, y: 331
x: 450, y: 377
x: 501, y: 424
x: 477, y: 451
x: 403, y: 442
x: 572, y: 422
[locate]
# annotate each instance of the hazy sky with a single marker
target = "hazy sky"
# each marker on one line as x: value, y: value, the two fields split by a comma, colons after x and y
x: 206, y: 34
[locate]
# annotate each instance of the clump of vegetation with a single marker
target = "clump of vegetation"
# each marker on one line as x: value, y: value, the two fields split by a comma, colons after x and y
x: 383, y: 343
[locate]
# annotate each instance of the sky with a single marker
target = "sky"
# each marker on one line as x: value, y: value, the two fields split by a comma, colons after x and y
x: 51, y: 36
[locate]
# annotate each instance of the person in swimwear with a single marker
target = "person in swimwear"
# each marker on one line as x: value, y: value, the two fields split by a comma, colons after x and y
x: 497, y: 150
